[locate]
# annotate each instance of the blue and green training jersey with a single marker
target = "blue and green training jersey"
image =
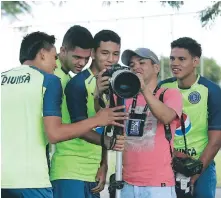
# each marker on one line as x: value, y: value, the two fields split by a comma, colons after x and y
x: 202, y: 112
x: 27, y: 95
x: 76, y: 158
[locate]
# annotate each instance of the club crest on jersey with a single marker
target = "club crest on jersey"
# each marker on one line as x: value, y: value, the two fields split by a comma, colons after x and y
x: 187, y: 124
x: 194, y: 97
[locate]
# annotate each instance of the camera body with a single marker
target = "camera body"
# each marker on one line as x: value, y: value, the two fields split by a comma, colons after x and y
x: 123, y: 82
x: 114, y: 68
x: 187, y: 166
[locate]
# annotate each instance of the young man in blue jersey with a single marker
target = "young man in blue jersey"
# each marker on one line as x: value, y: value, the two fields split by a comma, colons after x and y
x: 83, y: 168
x: 202, y: 105
x: 31, y: 98
x: 74, y: 54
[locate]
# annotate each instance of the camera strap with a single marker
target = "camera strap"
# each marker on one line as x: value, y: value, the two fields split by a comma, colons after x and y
x: 134, y: 103
x: 183, y: 132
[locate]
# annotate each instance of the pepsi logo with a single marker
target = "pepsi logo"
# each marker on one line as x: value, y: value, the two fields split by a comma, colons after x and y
x: 187, y: 126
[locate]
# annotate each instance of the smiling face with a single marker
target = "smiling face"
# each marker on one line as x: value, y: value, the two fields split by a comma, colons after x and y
x: 107, y: 54
x: 145, y: 67
x: 75, y: 60
x: 182, y: 63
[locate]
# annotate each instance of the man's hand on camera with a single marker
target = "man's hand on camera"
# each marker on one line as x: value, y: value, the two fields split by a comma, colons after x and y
x: 120, y: 141
x: 119, y: 144
x: 102, y: 84
x: 142, y: 84
x: 109, y: 116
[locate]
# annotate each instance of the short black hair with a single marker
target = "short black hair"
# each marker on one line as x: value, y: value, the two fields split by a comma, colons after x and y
x: 78, y: 36
x: 106, y: 35
x: 32, y: 43
x: 189, y: 44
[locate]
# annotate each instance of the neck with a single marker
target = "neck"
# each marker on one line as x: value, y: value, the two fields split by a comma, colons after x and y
x: 63, y: 66
x: 187, y: 82
x: 93, y: 68
x: 33, y: 63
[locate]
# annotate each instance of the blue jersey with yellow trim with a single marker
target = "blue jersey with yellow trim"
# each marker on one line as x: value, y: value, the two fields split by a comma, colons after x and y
x: 78, y: 159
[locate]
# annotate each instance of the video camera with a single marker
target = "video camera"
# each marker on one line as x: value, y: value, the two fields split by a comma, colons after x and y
x: 123, y: 82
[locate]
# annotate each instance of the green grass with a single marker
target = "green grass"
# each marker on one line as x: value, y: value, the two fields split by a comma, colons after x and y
x: 112, y: 160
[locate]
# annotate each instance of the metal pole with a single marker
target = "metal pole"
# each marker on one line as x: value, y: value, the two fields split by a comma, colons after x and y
x: 118, y: 171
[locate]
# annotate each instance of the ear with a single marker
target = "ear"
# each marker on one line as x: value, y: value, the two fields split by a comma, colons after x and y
x: 196, y: 61
x: 156, y: 68
x: 93, y: 54
x: 62, y: 50
x: 42, y: 54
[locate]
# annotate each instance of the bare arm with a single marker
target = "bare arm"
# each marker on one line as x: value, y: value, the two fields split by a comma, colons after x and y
x: 161, y: 111
x: 104, y: 157
x: 57, y: 132
x: 214, y: 126
x: 212, y: 148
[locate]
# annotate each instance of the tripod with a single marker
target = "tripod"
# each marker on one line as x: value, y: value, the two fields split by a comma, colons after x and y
x: 116, y: 183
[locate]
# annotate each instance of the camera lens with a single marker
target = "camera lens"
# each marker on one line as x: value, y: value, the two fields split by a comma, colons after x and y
x: 126, y: 85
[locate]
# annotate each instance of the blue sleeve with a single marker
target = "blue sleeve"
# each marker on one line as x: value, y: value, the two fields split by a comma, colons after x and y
x: 76, y: 97
x: 52, y: 98
x: 214, y: 108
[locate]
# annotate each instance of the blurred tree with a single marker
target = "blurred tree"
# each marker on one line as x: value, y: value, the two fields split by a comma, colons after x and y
x: 14, y: 8
x: 212, y: 70
x: 206, y: 16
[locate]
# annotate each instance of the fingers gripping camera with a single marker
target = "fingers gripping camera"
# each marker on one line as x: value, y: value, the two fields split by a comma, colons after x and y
x: 123, y: 82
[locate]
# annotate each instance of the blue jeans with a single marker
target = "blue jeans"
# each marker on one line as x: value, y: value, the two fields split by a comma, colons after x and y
x: 130, y: 191
x: 27, y: 193
x: 205, y: 186
x: 69, y: 188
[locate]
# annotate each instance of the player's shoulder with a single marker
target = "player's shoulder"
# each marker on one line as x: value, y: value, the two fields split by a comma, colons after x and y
x: 210, y: 85
x: 79, y: 79
x: 49, y: 79
x: 170, y: 92
x: 172, y: 80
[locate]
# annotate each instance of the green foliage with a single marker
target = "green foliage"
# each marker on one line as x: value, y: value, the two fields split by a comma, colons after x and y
x: 13, y: 8
x: 212, y: 70
x: 210, y: 13
x: 173, y: 4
